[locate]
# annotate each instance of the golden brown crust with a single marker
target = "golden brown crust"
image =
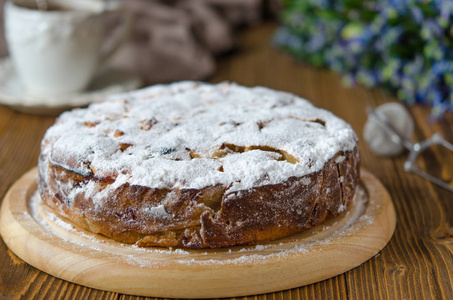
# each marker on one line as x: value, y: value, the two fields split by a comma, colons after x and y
x: 206, y: 218
x: 199, y: 165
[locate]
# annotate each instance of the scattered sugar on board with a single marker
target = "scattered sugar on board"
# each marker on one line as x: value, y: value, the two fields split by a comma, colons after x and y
x: 183, y: 256
x: 35, y: 201
x: 63, y: 224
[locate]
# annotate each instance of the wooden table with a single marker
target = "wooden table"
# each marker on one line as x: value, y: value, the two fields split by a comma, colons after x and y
x: 416, y: 264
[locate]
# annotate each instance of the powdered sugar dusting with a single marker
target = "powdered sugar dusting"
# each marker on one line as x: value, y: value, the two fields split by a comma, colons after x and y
x: 170, y: 136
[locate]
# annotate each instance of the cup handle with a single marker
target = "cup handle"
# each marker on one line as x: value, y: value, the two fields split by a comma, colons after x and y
x: 123, y: 36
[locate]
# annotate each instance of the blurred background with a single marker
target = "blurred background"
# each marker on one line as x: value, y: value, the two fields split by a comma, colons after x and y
x: 180, y: 39
x: 404, y: 47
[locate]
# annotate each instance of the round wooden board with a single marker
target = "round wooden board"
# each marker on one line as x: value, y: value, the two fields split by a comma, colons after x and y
x: 61, y: 249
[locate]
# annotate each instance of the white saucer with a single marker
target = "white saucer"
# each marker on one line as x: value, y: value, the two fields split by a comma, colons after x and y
x: 108, y: 81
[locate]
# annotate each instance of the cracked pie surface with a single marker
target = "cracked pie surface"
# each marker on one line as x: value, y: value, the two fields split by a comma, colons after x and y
x: 198, y: 165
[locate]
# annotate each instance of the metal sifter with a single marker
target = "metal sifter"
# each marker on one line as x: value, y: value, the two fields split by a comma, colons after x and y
x: 389, y: 133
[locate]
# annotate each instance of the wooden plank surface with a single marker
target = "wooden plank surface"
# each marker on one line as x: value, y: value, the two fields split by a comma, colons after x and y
x: 416, y: 264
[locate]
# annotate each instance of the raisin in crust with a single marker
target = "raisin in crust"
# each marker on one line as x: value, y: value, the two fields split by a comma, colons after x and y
x: 199, y: 166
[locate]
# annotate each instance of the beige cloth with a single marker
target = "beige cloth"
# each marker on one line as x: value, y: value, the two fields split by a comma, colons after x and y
x: 180, y: 41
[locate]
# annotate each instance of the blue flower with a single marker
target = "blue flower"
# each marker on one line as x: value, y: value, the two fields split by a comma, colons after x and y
x: 405, y: 46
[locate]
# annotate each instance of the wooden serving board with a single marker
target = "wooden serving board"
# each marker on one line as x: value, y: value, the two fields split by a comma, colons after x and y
x: 61, y: 249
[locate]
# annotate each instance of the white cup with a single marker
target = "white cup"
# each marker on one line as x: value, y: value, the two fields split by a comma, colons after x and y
x: 59, y: 51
